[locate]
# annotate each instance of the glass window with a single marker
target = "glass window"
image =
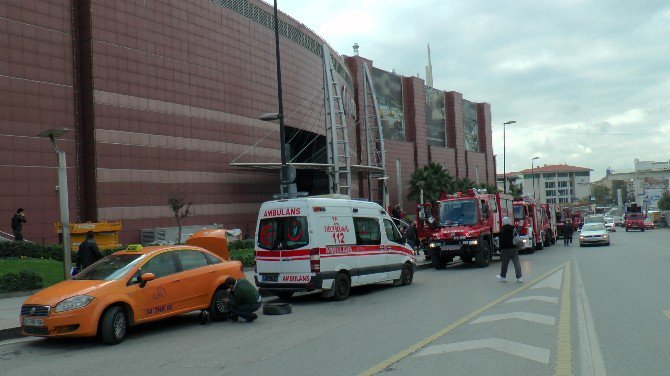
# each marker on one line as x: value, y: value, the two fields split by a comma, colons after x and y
x: 550, y: 184
x: 160, y: 265
x: 392, y: 232
x: 283, y: 233
x: 211, y: 259
x: 550, y: 193
x: 519, y: 212
x: 110, y: 268
x: 562, y: 184
x: 191, y: 259
x: 367, y: 231
x: 458, y: 212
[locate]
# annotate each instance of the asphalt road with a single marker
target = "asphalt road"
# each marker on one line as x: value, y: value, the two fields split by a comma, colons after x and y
x: 581, y: 311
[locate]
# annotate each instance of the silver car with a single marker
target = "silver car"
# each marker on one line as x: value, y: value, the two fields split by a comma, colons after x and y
x: 594, y: 233
x: 609, y: 224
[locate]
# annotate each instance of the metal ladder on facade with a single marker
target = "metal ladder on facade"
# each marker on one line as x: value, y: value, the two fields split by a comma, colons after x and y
x: 339, y: 178
x: 374, y: 141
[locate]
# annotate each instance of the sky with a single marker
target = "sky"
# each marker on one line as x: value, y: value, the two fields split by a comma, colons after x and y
x: 587, y: 82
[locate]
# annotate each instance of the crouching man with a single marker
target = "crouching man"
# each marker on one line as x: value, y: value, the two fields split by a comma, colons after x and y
x: 245, y: 299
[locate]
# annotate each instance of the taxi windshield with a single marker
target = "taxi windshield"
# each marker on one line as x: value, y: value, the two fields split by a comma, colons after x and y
x: 110, y: 268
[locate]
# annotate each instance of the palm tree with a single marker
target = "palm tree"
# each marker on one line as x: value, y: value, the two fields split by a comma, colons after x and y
x: 433, y: 178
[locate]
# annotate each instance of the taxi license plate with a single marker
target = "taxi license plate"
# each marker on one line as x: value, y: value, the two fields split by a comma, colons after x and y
x: 31, y: 321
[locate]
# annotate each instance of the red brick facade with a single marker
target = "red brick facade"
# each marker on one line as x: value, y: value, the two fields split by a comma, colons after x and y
x: 162, y: 96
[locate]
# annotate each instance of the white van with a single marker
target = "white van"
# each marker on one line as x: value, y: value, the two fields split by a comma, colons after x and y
x: 328, y: 244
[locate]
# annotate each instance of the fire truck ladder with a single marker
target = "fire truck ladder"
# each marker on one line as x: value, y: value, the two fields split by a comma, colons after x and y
x: 374, y: 141
x: 339, y: 179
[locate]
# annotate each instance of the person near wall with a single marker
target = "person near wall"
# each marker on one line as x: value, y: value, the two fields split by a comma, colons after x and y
x: 17, y: 224
x: 88, y: 253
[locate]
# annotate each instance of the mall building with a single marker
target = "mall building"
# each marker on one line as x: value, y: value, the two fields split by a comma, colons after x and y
x: 163, y: 99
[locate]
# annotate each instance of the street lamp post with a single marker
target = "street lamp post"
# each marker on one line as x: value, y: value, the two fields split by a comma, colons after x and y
x: 505, y: 155
x: 532, y: 172
x: 284, y: 175
x: 52, y: 134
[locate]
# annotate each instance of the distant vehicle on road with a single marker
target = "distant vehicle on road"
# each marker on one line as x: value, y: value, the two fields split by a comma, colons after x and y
x: 609, y: 224
x: 618, y: 220
x: 648, y: 224
x: 593, y: 233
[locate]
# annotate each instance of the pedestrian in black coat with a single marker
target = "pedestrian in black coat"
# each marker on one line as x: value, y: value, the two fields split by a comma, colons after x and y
x: 508, y: 251
x: 567, y: 233
x: 88, y: 253
x: 17, y: 224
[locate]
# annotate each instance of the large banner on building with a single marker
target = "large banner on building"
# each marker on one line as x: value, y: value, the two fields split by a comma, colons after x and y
x: 435, y: 120
x: 388, y: 87
x: 471, y: 131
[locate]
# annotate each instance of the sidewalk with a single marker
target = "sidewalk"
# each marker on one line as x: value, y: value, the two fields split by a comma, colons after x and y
x: 10, y: 308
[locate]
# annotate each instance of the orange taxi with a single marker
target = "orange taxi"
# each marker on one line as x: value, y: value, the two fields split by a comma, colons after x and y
x: 130, y: 287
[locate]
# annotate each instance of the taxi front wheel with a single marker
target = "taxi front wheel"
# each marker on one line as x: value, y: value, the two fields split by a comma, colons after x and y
x: 114, y: 325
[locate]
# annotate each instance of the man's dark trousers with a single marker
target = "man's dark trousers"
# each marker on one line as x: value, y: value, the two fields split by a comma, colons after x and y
x: 245, y: 310
x: 505, y: 256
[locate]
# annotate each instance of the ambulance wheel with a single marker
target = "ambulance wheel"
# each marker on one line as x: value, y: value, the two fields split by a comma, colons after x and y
x: 341, y: 286
x: 285, y: 294
x: 407, y: 274
x: 483, y: 255
x: 114, y: 325
x: 218, y: 309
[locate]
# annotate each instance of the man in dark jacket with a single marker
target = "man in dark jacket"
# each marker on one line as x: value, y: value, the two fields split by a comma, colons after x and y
x: 412, y: 237
x: 17, y: 224
x: 567, y: 233
x: 88, y: 253
x: 508, y: 251
x: 245, y: 299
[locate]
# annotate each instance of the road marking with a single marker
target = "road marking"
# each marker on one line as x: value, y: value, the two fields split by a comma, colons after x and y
x: 537, y: 354
x: 428, y: 340
x: 526, y: 316
x: 592, y: 360
x: 553, y: 282
x: 564, y: 351
x: 548, y: 299
x: 667, y: 313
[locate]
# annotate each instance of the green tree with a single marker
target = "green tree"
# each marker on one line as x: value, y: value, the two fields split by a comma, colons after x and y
x: 433, y: 178
x: 602, y: 194
x: 462, y: 185
x: 664, y: 202
x: 516, y: 190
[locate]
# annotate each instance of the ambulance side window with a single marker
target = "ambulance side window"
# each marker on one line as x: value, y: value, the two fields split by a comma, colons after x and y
x: 392, y: 232
x: 283, y: 233
x: 367, y: 231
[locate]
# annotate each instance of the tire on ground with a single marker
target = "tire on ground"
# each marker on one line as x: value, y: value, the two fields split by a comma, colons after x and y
x: 277, y: 309
x: 483, y: 255
x: 407, y: 274
x: 438, y: 261
x: 218, y: 310
x: 341, y: 286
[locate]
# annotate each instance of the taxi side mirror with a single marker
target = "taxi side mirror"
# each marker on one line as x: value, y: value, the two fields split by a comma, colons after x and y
x: 146, y: 277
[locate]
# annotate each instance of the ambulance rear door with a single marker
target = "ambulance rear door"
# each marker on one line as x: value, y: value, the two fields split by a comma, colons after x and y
x: 283, y: 242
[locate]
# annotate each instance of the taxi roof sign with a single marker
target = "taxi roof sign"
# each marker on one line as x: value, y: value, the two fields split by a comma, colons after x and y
x: 134, y: 248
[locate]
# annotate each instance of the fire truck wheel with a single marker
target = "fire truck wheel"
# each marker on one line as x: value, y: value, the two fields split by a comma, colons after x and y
x: 438, y: 261
x: 483, y: 255
x: 466, y: 259
x: 341, y: 286
x: 626, y: 229
x: 539, y: 246
x: 407, y: 274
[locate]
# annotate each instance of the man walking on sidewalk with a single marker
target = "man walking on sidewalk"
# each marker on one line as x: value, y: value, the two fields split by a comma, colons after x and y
x: 508, y: 251
x: 17, y: 224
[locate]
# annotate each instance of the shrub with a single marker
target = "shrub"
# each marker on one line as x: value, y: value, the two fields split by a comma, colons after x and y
x: 246, y: 256
x: 241, y: 244
x: 24, y: 280
x: 40, y: 251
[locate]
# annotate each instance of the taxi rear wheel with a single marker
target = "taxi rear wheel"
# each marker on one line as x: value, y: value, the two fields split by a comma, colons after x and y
x: 114, y: 325
x: 218, y: 309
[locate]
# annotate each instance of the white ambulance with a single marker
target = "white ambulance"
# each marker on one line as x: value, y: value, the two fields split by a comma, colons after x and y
x: 329, y: 244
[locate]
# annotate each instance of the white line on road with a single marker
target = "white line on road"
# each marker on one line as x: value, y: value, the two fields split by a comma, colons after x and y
x: 537, y: 354
x: 526, y: 316
x: 548, y: 299
x: 592, y: 358
x: 552, y: 282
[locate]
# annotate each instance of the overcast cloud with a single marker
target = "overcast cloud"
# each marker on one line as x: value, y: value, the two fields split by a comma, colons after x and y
x: 588, y: 82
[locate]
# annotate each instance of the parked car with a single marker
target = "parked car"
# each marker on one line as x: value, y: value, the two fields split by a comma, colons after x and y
x: 648, y: 224
x: 594, y: 233
x: 129, y: 287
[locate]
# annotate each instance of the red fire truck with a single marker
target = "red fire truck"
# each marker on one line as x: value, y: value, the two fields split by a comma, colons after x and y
x: 634, y: 218
x: 529, y: 220
x: 466, y: 225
